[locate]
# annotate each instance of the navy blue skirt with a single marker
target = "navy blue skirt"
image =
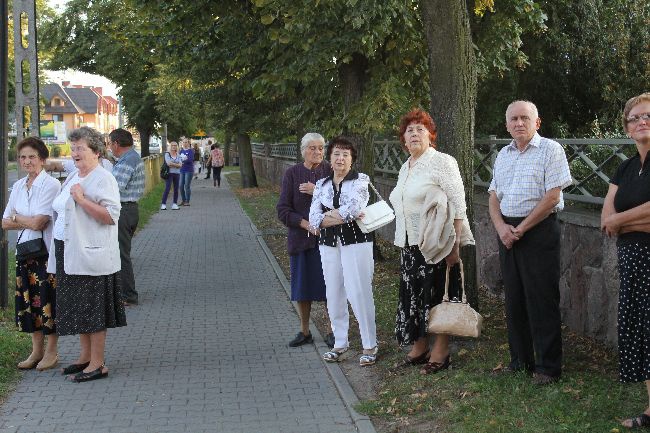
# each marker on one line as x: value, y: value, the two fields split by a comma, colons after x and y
x: 307, y: 283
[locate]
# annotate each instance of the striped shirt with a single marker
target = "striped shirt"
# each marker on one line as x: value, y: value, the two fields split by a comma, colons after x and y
x: 129, y: 174
x: 522, y: 178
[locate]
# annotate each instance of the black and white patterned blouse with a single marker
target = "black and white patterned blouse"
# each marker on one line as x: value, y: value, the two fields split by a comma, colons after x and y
x: 350, y: 197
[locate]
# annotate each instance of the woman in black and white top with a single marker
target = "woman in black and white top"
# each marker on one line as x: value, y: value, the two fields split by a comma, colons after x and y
x: 346, y: 252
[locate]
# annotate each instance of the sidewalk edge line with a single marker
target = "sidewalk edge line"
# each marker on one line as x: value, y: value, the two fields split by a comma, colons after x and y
x: 362, y: 422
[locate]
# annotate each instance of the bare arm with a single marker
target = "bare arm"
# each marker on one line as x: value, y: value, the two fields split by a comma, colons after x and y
x: 505, y: 231
x: 543, y: 209
x: 36, y: 222
x: 54, y: 166
x: 454, y: 255
x: 95, y: 210
x: 608, y: 210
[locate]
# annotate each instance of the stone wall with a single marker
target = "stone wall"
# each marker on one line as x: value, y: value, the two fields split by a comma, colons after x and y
x: 589, y: 274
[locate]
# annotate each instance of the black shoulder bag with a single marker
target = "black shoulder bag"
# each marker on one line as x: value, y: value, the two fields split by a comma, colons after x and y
x: 33, y: 249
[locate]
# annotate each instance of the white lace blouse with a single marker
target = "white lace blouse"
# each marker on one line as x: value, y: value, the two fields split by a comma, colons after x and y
x: 407, y: 198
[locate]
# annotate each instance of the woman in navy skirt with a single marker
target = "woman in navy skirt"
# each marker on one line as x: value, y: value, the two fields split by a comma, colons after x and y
x: 307, y: 284
x: 626, y: 214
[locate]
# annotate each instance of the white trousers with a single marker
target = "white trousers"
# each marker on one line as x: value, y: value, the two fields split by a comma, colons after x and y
x: 348, y: 274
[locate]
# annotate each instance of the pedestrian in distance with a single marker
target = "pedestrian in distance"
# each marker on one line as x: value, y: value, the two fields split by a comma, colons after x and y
x: 207, y: 160
x: 128, y: 171
x: 217, y: 162
x: 197, y: 160
x: 626, y: 214
x: 187, y: 170
x: 525, y: 197
x: 346, y: 252
x: 87, y: 255
x: 298, y: 183
x: 29, y: 210
x: 173, y: 160
x: 427, y: 177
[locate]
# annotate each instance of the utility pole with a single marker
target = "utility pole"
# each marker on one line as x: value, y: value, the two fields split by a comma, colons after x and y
x: 26, y: 69
x: 4, y: 109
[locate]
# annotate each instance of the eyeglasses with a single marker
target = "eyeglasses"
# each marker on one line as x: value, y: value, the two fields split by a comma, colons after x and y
x: 638, y: 118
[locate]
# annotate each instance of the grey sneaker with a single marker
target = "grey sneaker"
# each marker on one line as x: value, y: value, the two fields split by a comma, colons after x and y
x: 301, y: 339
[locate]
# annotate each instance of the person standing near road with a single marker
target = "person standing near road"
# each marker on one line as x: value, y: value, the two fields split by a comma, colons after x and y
x: 525, y: 196
x: 129, y: 174
x: 187, y: 171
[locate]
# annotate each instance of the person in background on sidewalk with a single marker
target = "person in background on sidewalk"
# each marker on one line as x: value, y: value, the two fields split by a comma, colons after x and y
x: 197, y: 160
x: 216, y: 156
x: 29, y: 209
x: 525, y: 196
x: 129, y: 174
x: 187, y: 170
x: 626, y: 214
x: 173, y: 160
x: 87, y: 255
x: 307, y: 283
x: 207, y: 160
x: 345, y: 251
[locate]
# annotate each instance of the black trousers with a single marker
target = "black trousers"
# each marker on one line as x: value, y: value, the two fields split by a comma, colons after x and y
x: 128, y: 222
x: 531, y: 277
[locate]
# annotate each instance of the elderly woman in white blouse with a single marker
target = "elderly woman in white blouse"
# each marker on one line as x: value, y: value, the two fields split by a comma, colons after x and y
x: 345, y: 251
x: 87, y: 255
x: 422, y: 283
x: 30, y: 210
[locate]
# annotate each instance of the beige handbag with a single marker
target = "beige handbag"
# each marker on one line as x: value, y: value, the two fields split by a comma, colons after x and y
x: 455, y: 317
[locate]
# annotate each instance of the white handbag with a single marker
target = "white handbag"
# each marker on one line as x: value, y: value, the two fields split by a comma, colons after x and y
x: 376, y: 215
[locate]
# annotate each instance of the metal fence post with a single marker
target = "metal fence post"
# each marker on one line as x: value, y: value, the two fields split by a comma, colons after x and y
x: 26, y: 9
x: 4, y: 145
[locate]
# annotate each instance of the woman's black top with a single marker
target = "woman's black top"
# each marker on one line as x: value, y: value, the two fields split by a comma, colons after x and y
x: 633, y: 181
x: 349, y: 233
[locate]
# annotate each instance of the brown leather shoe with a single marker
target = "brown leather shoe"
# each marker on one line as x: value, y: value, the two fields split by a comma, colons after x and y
x: 435, y: 367
x: 541, y: 379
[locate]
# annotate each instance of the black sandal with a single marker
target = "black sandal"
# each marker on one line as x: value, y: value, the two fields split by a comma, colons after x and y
x: 75, y: 368
x: 91, y: 375
x: 642, y: 420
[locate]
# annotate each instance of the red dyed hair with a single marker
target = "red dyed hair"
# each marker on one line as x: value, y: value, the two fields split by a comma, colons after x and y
x: 417, y: 115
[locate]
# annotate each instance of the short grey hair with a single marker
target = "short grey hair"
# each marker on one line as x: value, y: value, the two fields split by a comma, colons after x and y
x: 530, y: 104
x: 308, y: 138
x: 94, y: 139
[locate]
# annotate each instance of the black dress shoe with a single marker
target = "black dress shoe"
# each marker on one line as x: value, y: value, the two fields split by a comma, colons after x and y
x: 92, y: 375
x: 329, y: 340
x: 75, y: 368
x: 301, y: 339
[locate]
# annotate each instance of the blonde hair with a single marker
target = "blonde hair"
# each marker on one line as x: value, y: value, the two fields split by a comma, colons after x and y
x: 631, y: 103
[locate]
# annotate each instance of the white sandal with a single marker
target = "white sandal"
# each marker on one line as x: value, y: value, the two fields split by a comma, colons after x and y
x: 370, y: 358
x: 334, y: 355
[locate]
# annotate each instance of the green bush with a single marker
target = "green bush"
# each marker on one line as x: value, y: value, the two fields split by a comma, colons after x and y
x: 56, y: 151
x: 11, y: 154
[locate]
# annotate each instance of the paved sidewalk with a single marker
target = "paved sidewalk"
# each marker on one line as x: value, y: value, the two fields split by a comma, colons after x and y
x: 205, y: 351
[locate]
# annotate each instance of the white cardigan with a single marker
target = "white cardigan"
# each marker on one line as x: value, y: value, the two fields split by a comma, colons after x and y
x: 91, y: 247
x: 431, y: 169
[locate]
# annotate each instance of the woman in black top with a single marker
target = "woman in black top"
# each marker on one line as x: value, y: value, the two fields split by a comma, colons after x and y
x: 346, y: 252
x: 626, y: 214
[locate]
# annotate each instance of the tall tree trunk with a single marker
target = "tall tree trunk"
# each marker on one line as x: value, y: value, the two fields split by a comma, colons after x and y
x: 246, y: 169
x: 226, y: 147
x: 354, y: 77
x: 452, y: 80
x: 145, y: 133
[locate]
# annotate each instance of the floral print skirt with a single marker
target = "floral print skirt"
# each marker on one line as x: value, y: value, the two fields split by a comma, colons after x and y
x: 35, y: 297
x: 421, y: 287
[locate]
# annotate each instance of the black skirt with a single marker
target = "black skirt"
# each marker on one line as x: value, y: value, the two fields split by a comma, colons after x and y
x: 85, y: 303
x: 634, y: 312
x: 35, y: 297
x: 421, y: 287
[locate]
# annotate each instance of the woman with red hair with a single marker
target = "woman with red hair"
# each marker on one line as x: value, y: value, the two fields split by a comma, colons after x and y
x: 423, y: 281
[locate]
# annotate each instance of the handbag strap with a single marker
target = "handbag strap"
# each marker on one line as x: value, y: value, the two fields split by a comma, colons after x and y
x: 21, y: 235
x: 376, y: 192
x: 445, y: 298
